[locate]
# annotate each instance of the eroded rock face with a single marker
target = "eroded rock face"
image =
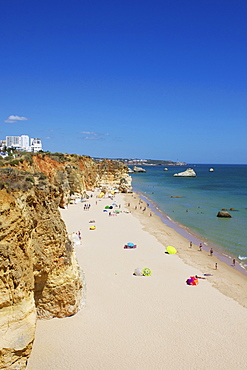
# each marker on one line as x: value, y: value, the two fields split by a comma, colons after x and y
x: 38, y: 270
x: 39, y: 274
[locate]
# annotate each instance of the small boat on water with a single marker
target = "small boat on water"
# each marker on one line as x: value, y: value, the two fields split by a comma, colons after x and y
x: 211, y: 170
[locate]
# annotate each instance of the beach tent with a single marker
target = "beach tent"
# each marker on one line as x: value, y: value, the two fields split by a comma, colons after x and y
x: 92, y: 227
x: 171, y: 250
x: 101, y: 195
x: 138, y: 272
x: 107, y: 207
x: 74, y: 238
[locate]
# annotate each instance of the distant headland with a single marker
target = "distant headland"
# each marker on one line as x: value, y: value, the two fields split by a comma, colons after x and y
x: 146, y: 162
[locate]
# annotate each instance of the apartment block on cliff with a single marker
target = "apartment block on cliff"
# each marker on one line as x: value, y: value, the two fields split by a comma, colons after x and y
x: 23, y: 143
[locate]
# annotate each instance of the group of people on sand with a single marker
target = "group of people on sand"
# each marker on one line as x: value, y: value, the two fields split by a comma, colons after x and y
x: 143, y: 209
x: 211, y: 251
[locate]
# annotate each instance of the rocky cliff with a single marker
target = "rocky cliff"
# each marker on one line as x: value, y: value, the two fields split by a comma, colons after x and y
x: 39, y: 274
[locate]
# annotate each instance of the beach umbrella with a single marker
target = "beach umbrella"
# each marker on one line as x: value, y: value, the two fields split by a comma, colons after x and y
x: 146, y: 271
x: 130, y: 245
x: 171, y: 250
x: 192, y: 281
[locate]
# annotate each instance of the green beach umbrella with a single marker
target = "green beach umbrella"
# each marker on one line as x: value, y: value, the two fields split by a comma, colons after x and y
x: 171, y: 250
x: 146, y: 271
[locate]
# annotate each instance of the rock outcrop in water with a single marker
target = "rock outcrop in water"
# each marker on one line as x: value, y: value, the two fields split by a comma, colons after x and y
x: 224, y: 214
x: 188, y: 173
x: 39, y: 274
x: 139, y: 169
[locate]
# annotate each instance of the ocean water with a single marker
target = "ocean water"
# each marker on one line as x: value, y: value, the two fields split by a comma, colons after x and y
x: 199, y: 200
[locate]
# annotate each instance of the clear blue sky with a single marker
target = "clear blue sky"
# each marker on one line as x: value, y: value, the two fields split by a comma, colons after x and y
x: 146, y: 79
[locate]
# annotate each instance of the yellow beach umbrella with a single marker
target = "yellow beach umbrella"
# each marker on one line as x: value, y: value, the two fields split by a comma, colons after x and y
x: 171, y: 250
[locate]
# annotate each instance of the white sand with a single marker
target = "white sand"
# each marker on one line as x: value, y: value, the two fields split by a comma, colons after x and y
x: 131, y: 322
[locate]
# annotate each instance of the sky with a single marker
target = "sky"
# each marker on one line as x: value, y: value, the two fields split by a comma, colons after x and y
x: 154, y: 79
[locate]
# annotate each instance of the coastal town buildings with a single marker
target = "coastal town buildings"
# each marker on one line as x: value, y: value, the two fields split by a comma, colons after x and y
x: 22, y: 143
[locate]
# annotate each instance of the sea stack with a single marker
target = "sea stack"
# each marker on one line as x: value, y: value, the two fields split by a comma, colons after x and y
x: 188, y: 173
x: 138, y: 169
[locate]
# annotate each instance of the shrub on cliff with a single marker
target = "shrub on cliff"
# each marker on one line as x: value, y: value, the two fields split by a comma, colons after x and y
x: 29, y: 178
x: 28, y: 158
x: 59, y: 157
x: 14, y: 162
x: 42, y: 176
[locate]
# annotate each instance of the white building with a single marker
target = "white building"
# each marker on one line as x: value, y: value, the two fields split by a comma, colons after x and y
x: 12, y: 141
x: 35, y: 145
x: 24, y: 143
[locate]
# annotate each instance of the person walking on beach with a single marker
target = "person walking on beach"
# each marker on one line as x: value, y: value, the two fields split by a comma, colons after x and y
x: 200, y: 247
x: 190, y: 244
x: 216, y: 266
x: 211, y: 252
x: 234, y: 262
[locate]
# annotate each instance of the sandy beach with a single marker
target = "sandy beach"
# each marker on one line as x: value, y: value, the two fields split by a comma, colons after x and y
x: 144, y: 322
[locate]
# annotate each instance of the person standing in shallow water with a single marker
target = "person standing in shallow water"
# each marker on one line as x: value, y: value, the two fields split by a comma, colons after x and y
x: 211, y: 252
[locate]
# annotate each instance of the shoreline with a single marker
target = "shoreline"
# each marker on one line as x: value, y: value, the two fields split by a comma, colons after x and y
x: 191, y: 235
x: 143, y: 322
x: 232, y: 281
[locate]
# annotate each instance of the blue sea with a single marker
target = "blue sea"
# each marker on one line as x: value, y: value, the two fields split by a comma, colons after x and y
x: 199, y: 200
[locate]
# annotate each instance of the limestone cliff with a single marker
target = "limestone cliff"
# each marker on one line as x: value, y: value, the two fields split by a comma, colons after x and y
x: 39, y: 274
x: 74, y: 174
